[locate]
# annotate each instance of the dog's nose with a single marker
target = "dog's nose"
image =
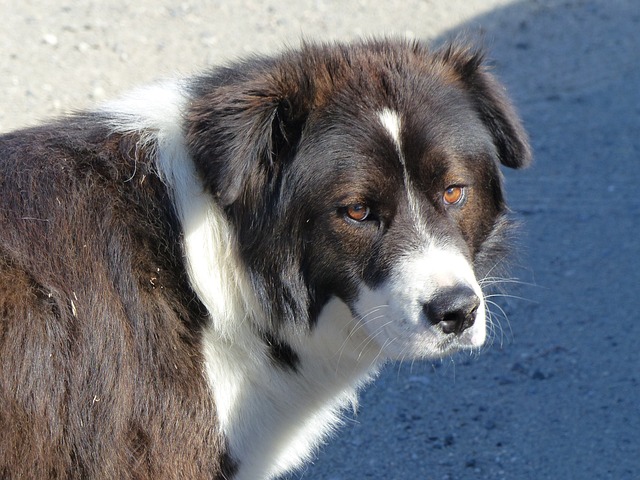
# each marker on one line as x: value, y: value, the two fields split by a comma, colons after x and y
x: 454, y: 309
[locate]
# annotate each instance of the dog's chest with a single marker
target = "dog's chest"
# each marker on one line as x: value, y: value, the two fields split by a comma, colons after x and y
x: 274, y: 418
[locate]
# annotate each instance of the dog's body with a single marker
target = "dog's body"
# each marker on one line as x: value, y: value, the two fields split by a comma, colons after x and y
x: 197, y: 278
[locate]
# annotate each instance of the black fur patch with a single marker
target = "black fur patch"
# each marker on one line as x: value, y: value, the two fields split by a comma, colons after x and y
x: 228, y: 466
x: 282, y: 354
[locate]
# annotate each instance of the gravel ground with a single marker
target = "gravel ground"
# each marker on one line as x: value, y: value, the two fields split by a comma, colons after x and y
x: 556, y: 394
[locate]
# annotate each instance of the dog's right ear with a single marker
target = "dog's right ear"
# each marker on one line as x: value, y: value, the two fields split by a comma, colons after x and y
x: 241, y: 133
x: 491, y: 102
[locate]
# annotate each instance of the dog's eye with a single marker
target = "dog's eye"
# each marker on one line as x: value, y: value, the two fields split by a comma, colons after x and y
x: 358, y: 212
x: 453, y: 195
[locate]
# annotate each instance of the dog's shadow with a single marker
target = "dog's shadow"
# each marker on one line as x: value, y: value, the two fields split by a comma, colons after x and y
x: 553, y: 396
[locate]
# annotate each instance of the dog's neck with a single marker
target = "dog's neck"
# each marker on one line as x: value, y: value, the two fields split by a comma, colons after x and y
x: 275, y: 417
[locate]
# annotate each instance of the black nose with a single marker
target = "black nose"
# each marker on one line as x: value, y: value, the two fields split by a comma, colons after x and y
x: 454, y: 309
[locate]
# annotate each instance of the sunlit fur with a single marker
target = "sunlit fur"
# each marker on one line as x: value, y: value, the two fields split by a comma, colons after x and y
x: 282, y: 305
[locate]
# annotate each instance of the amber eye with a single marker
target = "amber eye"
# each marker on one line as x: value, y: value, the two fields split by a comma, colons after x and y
x: 358, y: 212
x: 453, y: 195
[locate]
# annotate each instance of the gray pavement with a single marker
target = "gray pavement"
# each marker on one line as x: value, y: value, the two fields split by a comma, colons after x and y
x: 556, y: 394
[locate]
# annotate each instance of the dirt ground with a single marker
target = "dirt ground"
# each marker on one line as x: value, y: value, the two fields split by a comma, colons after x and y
x: 555, y: 395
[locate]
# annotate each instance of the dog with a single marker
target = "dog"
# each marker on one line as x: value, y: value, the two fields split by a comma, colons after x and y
x: 196, y: 278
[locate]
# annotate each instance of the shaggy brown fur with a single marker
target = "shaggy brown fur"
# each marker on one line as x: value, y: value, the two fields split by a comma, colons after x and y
x: 101, y: 375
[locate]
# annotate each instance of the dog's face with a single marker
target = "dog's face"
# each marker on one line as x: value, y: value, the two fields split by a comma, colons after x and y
x: 367, y: 182
x: 396, y: 213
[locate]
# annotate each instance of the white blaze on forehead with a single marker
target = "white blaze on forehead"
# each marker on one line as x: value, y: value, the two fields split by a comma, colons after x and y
x: 392, y: 123
x: 390, y: 120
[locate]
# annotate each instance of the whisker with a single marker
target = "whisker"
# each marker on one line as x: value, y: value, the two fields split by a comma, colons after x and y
x: 492, y: 330
x: 361, y: 347
x: 359, y: 323
x: 370, y: 320
x: 507, y: 295
x: 495, y: 312
x: 387, y: 342
x: 495, y: 321
x: 401, y: 359
x: 378, y: 331
x: 505, y: 280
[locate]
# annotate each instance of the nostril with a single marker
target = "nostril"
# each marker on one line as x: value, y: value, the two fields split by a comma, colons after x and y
x: 458, y: 321
x: 454, y: 309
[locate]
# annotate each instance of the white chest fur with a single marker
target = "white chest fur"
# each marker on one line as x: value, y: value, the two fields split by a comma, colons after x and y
x: 275, y: 418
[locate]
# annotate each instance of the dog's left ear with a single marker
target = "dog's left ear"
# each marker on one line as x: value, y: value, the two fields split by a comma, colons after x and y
x: 492, y: 103
x: 241, y: 133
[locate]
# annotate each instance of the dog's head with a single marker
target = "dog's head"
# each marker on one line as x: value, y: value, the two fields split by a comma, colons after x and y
x: 364, y: 179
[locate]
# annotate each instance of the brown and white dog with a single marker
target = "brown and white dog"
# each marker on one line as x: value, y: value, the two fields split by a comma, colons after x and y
x: 197, y: 278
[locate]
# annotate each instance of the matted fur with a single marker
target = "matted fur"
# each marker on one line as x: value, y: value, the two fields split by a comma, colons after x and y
x: 185, y: 291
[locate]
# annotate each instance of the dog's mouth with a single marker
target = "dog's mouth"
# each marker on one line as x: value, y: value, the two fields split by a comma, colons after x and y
x: 454, y: 320
x: 403, y: 343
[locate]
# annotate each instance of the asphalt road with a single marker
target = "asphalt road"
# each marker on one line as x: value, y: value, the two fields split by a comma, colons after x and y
x: 556, y: 394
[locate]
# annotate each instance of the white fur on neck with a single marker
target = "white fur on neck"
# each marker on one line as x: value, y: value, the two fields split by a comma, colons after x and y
x: 277, y: 418
x: 156, y: 114
x: 272, y: 418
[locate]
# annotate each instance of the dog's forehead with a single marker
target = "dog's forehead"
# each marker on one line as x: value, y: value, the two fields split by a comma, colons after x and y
x: 401, y: 120
x: 434, y: 110
x: 423, y: 132
x: 376, y: 149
